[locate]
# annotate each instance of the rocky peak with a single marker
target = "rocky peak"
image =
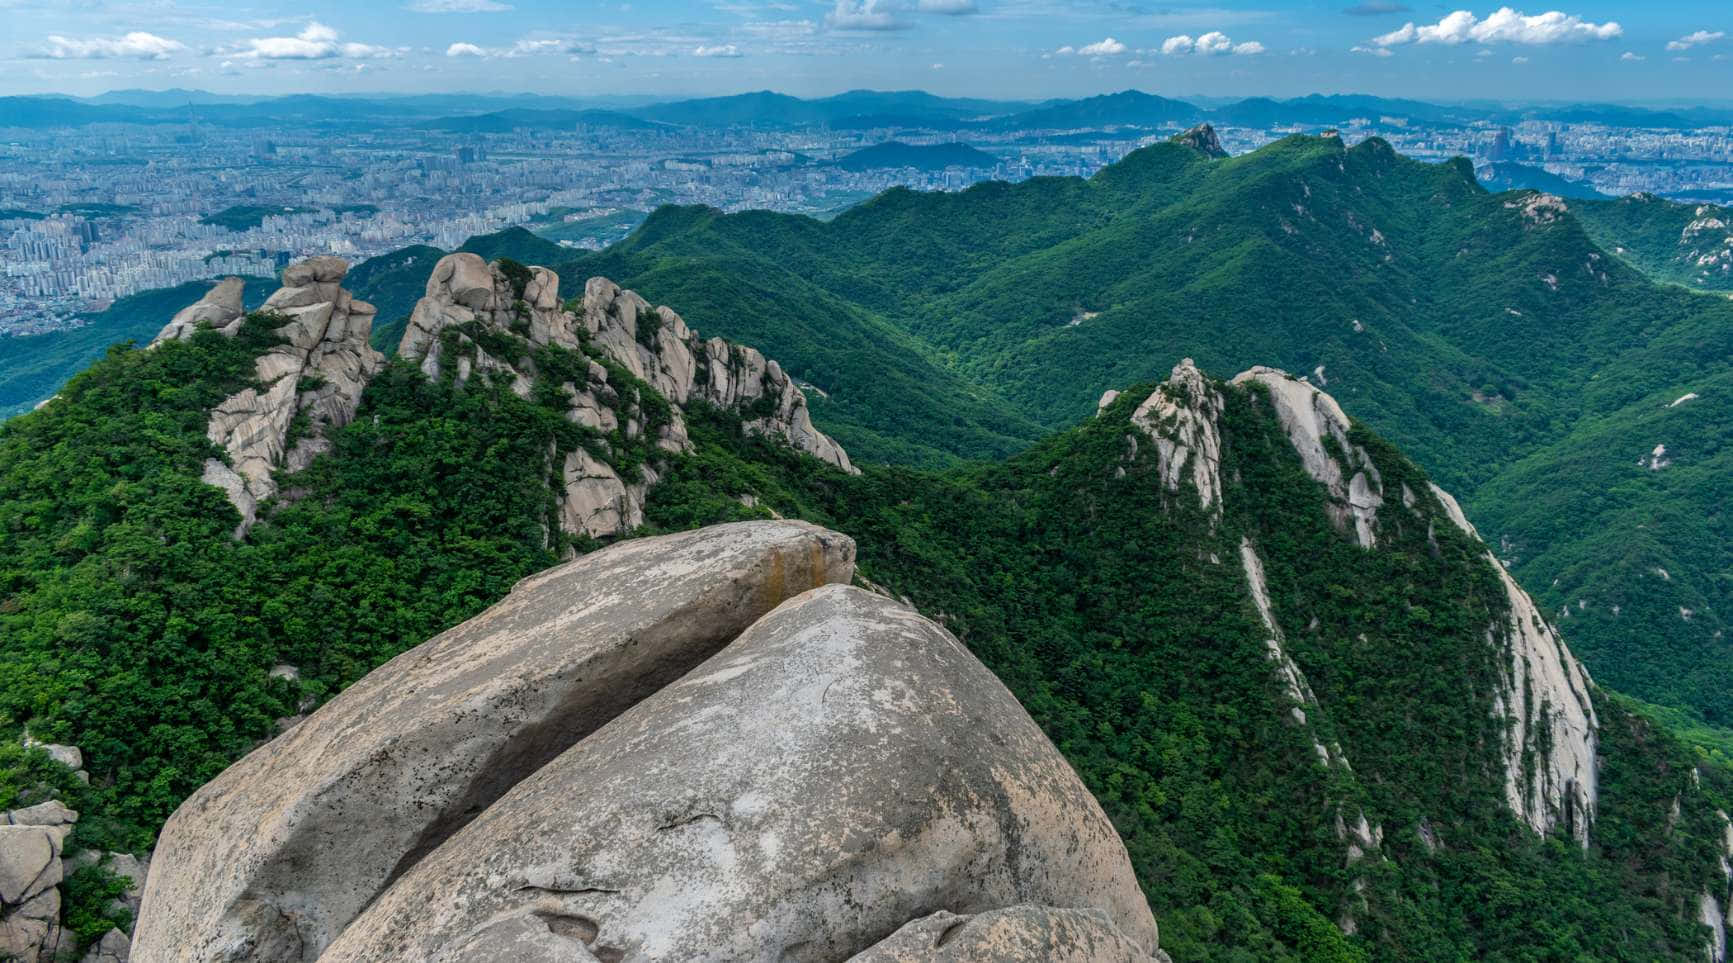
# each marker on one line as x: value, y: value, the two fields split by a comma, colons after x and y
x: 1202, y: 138
x: 474, y: 310
x: 309, y: 383
x: 1182, y: 417
x: 1318, y: 429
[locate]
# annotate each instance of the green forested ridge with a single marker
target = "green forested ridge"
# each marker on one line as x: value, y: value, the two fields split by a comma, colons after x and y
x: 1689, y: 244
x: 132, y: 625
x: 33, y: 366
x: 1488, y: 334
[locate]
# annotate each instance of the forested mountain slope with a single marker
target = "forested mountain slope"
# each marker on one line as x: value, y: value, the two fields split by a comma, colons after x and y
x: 1486, y: 333
x: 1325, y: 721
x: 1689, y: 244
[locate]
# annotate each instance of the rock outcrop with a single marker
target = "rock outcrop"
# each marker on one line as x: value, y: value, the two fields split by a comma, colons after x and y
x: 1202, y: 138
x: 284, y: 848
x: 1552, y: 737
x: 31, y: 842
x: 660, y: 751
x: 481, y: 319
x: 220, y: 309
x: 311, y: 382
x: 1181, y: 417
x: 840, y: 769
x: 1318, y: 429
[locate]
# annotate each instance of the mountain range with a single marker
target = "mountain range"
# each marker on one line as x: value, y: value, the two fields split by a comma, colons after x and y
x: 1309, y: 633
x: 857, y: 109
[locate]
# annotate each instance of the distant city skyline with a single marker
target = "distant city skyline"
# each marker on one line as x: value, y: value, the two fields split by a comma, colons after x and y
x: 1007, y: 49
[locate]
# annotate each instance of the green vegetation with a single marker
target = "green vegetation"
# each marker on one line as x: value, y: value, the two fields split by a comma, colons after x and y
x: 133, y: 625
x: 1511, y: 176
x: 38, y: 364
x: 1669, y: 241
x: 600, y: 227
x: 1094, y: 597
x: 94, y: 210
x: 1487, y: 334
x: 245, y: 217
x: 925, y: 157
x: 18, y: 214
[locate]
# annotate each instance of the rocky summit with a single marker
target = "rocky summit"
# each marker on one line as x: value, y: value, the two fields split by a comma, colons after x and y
x: 696, y: 746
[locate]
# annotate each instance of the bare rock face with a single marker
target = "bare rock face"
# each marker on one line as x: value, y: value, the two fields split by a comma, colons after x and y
x: 458, y: 327
x: 843, y: 767
x: 31, y: 842
x: 1027, y: 933
x: 1203, y: 139
x: 1318, y: 429
x: 310, y: 383
x: 275, y: 857
x: 1182, y: 418
x: 220, y: 308
x: 1544, y: 695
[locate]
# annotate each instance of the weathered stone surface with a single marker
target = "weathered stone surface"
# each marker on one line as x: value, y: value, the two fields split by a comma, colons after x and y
x: 288, y: 845
x: 71, y: 757
x: 1544, y: 695
x: 1037, y: 934
x: 652, y: 343
x: 1182, y: 417
x: 1202, y: 138
x: 50, y: 813
x: 114, y: 947
x: 220, y: 306
x: 318, y: 374
x: 1318, y: 429
x: 843, y: 767
x: 29, y: 862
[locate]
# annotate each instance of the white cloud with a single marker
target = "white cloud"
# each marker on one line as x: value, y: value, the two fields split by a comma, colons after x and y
x: 1630, y: 57
x: 316, y: 42
x: 1104, y: 48
x: 1697, y: 39
x: 1502, y: 26
x: 528, y: 47
x: 1212, y: 44
x: 457, y: 6
x: 865, y: 15
x: 1374, y: 51
x: 1519, y: 60
x: 137, y: 45
x: 719, y: 50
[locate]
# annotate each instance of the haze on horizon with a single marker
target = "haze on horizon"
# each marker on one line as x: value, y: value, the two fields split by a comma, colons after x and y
x: 1586, y: 50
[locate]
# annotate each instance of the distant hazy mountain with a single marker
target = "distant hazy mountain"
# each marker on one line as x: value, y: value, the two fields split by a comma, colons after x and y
x: 501, y: 121
x: 1511, y: 176
x: 1128, y: 108
x: 926, y: 157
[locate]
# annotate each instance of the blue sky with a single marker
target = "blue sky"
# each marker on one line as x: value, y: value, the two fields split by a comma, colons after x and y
x: 1584, y: 50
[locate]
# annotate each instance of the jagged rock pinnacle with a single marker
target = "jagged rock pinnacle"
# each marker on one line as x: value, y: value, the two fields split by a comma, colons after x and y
x: 1203, y: 139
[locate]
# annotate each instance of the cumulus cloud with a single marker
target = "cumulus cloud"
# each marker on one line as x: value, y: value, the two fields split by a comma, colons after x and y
x: 1502, y: 26
x: 1374, y: 51
x: 865, y: 15
x: 528, y: 47
x: 457, y: 6
x: 1630, y: 57
x: 1697, y: 39
x: 1108, y: 47
x: 1212, y: 44
x: 316, y: 42
x: 137, y: 45
x: 886, y: 14
x: 718, y: 50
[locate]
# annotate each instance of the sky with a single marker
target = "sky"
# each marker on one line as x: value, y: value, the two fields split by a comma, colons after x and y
x: 1674, y: 51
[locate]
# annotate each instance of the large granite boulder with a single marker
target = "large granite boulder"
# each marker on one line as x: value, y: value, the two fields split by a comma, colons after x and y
x: 842, y: 768
x: 275, y: 857
x: 1014, y: 933
x: 31, y: 842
